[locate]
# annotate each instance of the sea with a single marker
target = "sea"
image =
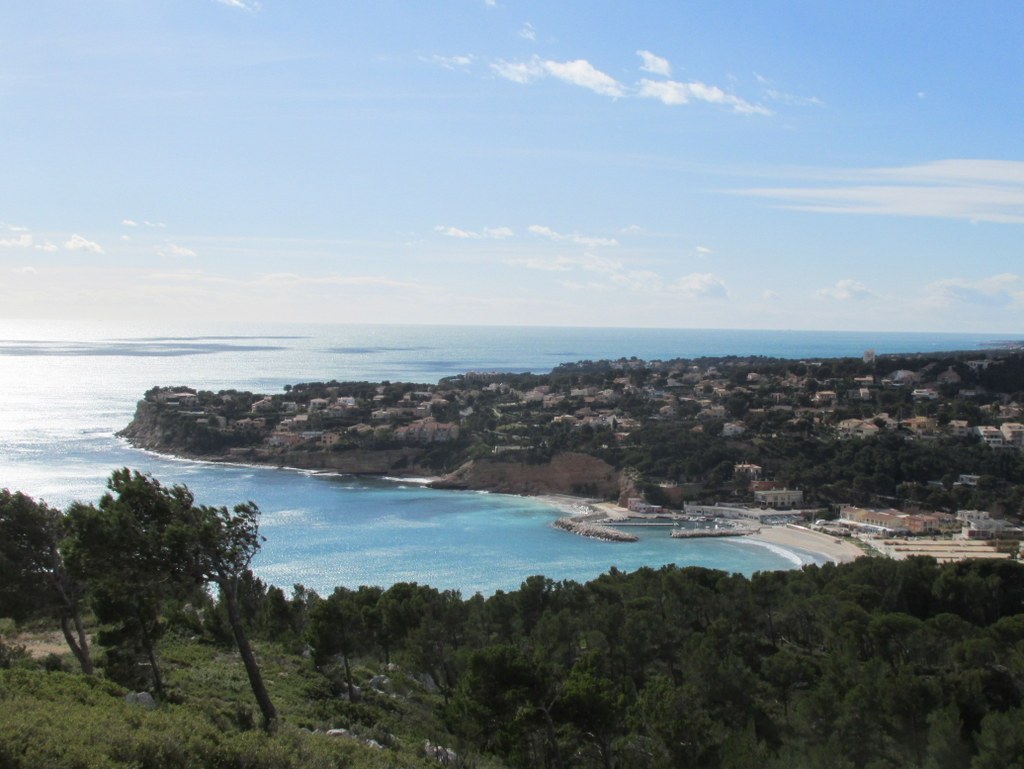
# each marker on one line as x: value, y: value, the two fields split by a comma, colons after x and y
x: 67, y: 388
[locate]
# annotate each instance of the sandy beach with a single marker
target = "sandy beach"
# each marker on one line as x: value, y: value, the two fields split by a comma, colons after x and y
x: 829, y: 547
x: 834, y: 549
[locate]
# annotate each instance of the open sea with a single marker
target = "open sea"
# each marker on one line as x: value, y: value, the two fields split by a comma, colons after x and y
x: 66, y: 388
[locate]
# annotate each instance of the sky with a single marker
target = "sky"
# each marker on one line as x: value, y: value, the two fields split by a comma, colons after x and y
x: 714, y: 164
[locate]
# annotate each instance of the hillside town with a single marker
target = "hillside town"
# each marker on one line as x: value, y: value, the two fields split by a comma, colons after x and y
x: 882, y: 446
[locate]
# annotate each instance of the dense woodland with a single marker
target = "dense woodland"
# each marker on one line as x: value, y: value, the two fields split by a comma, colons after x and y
x: 876, y: 663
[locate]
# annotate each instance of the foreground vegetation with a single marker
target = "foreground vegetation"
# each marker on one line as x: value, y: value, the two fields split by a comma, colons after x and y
x: 874, y: 664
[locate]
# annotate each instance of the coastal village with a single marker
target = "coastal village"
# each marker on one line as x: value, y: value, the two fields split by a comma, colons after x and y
x: 904, y: 455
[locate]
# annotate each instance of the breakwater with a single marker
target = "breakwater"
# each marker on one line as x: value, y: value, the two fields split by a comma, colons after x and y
x: 593, y: 530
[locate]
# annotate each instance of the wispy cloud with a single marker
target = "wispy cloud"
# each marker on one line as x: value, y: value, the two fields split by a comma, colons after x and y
x: 975, y: 190
x: 294, y: 280
x: 21, y: 241
x: 144, y: 223
x: 487, y: 233
x: 586, y: 262
x: 583, y: 240
x: 584, y: 74
x: 773, y: 93
x: 242, y: 5
x: 528, y: 32
x: 451, y: 62
x: 78, y: 243
x: 673, y: 92
x: 994, y: 291
x: 654, y: 64
x: 578, y: 72
x: 703, y: 251
x: 170, y: 249
x: 700, y: 285
x: 847, y: 290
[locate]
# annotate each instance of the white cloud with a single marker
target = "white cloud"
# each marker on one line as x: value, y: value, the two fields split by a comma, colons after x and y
x: 519, y: 72
x: 487, y: 233
x: 586, y: 262
x: 79, y: 243
x: 22, y: 241
x: 632, y: 229
x: 578, y: 72
x: 452, y: 62
x: 583, y: 240
x: 847, y: 290
x: 29, y: 270
x: 528, y: 32
x: 46, y: 246
x: 793, y: 100
x: 129, y: 223
x: 773, y: 93
x: 703, y: 251
x: 14, y: 228
x: 171, y: 249
x: 242, y: 5
x: 770, y: 296
x: 700, y: 285
x: 672, y: 92
x: 498, y: 233
x: 974, y: 190
x: 994, y: 291
x: 293, y: 280
x: 582, y: 73
x: 654, y: 64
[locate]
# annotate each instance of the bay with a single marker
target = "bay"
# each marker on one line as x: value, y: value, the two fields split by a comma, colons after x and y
x: 67, y: 388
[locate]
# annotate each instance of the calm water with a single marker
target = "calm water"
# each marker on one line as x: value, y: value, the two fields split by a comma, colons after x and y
x: 65, y: 389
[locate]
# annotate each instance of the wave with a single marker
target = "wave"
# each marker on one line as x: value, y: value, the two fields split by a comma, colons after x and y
x: 790, y: 555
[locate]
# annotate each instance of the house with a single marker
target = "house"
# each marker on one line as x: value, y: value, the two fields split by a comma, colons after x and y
x: 920, y: 425
x: 780, y: 499
x: 1013, y: 434
x: 639, y: 505
x: 857, y: 428
x: 958, y: 428
x: 977, y: 524
x: 733, y: 429
x: 991, y: 436
x: 744, y: 470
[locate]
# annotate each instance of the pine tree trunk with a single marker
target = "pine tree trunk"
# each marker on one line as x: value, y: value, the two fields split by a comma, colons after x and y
x: 80, y: 646
x: 229, y: 588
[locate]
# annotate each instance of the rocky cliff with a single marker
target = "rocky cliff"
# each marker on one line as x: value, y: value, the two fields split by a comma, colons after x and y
x: 579, y: 474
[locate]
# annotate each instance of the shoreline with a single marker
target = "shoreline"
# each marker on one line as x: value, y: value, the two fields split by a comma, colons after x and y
x: 832, y: 549
x: 788, y: 537
x: 579, y: 511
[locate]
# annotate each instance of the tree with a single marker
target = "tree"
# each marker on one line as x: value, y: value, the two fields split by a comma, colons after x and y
x: 146, y: 544
x: 222, y: 545
x: 33, y: 576
x: 119, y: 548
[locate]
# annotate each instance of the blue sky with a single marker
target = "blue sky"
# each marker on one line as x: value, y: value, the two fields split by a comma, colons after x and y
x: 808, y: 165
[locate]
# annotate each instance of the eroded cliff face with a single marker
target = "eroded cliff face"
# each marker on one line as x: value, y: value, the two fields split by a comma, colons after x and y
x: 571, y: 473
x: 579, y: 474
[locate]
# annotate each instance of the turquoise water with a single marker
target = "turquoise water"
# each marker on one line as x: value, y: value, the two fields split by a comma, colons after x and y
x: 67, y: 389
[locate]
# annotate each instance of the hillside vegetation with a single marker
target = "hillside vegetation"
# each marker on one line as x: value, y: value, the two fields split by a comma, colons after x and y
x: 876, y: 663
